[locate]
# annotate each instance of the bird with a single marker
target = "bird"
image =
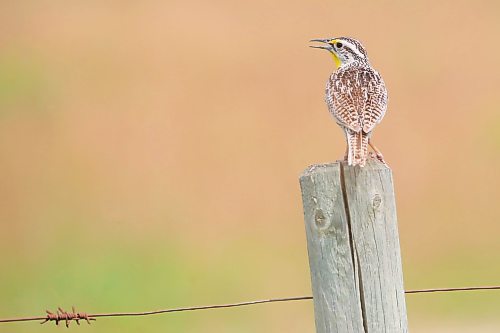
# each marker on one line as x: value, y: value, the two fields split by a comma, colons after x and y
x: 356, y: 96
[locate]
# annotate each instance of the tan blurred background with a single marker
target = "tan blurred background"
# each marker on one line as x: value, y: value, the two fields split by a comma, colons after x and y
x: 150, y: 153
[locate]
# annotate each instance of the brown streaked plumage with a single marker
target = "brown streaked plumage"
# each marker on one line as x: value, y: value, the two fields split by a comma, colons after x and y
x: 356, y: 96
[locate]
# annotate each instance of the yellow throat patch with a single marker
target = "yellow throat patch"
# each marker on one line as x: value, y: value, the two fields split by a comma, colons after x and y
x: 336, y: 59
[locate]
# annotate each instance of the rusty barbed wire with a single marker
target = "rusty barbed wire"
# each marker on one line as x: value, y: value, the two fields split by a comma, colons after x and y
x: 68, y: 317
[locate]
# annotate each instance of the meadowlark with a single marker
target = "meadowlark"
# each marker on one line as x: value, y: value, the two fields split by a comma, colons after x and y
x: 356, y: 96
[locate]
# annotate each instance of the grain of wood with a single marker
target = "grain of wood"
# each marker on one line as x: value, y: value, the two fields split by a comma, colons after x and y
x: 353, y: 247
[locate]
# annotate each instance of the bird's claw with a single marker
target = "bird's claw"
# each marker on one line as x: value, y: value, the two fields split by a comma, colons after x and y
x: 379, y: 157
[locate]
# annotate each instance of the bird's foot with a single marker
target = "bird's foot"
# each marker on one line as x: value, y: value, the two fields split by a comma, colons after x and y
x: 379, y: 157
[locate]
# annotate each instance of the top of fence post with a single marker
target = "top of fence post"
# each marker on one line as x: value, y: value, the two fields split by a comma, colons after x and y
x: 353, y: 246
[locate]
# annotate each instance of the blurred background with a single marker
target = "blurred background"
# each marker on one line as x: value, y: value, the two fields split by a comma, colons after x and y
x: 150, y: 154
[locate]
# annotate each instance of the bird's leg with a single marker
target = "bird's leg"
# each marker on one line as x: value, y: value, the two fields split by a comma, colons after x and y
x: 378, y: 154
x: 346, y: 155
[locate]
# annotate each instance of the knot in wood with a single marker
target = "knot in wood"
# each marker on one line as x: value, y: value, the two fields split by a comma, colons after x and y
x: 376, y: 201
x: 320, y: 219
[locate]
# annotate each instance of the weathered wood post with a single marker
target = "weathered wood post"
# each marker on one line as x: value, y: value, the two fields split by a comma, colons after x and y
x: 353, y: 246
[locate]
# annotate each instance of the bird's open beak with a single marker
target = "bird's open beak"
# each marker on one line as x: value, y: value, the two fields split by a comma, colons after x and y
x: 326, y: 45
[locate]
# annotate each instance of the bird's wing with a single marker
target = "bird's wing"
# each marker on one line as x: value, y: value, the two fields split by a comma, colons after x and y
x: 357, y: 98
x: 375, y: 99
x: 341, y: 99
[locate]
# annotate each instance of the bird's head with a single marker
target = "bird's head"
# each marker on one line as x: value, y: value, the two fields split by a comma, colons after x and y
x: 344, y: 50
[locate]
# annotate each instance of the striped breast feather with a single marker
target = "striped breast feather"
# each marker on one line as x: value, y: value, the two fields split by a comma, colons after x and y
x: 357, y: 98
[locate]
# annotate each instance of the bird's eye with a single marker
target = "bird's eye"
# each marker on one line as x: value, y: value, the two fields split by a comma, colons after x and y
x: 338, y: 45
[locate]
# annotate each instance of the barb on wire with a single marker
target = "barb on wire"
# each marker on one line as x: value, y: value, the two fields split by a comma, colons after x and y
x: 67, y: 317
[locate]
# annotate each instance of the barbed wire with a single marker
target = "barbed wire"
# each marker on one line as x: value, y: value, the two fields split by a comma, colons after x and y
x: 67, y: 317
x: 419, y: 291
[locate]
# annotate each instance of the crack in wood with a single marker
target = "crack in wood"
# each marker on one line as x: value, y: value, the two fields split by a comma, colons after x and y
x: 354, y: 252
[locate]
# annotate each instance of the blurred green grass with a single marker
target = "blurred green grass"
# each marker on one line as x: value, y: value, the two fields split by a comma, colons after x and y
x: 458, y: 270
x: 23, y: 83
x: 114, y: 274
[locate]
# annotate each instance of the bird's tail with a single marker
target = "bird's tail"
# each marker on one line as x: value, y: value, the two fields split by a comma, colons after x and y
x: 358, y: 147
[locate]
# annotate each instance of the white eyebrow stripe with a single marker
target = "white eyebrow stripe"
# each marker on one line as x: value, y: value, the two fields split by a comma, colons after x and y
x: 352, y: 47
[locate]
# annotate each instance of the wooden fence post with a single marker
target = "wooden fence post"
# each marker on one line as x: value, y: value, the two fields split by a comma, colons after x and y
x: 353, y: 246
